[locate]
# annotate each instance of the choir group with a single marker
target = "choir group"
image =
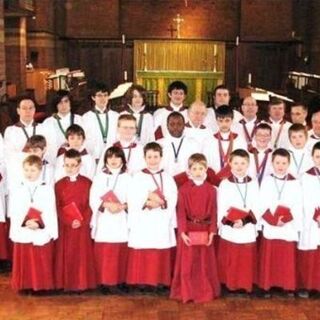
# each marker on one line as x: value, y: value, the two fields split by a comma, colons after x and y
x: 199, y: 201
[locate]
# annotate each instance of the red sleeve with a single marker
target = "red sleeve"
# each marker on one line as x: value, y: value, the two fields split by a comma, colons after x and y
x: 87, y: 213
x: 182, y: 212
x: 213, y: 210
x: 213, y: 178
x: 180, y: 179
x: 316, y: 214
x: 267, y: 216
x: 57, y: 193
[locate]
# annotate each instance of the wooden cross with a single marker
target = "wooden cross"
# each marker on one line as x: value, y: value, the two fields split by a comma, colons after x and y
x: 172, y: 30
x: 178, y: 20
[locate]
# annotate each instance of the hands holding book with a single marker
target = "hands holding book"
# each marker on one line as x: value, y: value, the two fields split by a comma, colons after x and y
x: 32, y: 224
x: 237, y: 218
x: 114, y: 207
x: 197, y: 238
x: 33, y: 219
x: 281, y: 216
x: 75, y: 224
x: 111, y: 202
x: 156, y: 200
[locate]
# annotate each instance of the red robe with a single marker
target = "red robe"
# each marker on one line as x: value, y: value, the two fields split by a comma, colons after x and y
x: 4, y: 242
x: 196, y: 276
x: 74, y: 258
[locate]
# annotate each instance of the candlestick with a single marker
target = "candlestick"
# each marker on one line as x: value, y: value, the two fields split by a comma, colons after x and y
x: 215, y: 49
x: 249, y: 78
x: 125, y: 75
x: 237, y: 40
x: 123, y: 39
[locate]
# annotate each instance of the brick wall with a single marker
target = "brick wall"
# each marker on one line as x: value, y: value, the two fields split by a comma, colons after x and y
x: 2, y: 50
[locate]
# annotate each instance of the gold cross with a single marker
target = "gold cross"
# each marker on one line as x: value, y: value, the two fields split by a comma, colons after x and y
x: 178, y: 20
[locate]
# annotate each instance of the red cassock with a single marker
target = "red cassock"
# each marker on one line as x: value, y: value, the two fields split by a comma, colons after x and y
x: 111, y: 262
x: 74, y: 258
x: 277, y: 264
x: 195, y: 276
x: 150, y: 266
x: 240, y: 271
x: 38, y: 261
x: 308, y: 269
x: 5, y: 243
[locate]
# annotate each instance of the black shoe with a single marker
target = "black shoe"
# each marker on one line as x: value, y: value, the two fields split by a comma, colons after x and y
x: 123, y: 289
x: 261, y: 294
x: 162, y: 290
x: 105, y: 290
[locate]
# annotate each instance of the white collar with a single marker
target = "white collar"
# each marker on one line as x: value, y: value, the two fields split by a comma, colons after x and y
x: 176, y: 108
x: 65, y: 116
x: 114, y: 171
x: 276, y: 122
x: 136, y: 111
x: 99, y: 110
x: 250, y: 121
x: 74, y: 177
x: 27, y: 125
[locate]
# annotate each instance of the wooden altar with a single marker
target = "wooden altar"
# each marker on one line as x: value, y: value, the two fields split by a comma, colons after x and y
x: 199, y: 64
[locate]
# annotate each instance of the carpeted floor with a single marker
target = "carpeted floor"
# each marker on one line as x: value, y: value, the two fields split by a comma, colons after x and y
x: 94, y: 306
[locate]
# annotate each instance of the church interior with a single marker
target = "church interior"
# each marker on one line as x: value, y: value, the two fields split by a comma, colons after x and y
x: 266, y: 48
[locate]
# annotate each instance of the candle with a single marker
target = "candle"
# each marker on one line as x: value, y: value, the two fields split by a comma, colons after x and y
x: 215, y: 50
x: 123, y: 39
x: 249, y: 78
x: 237, y: 41
x: 125, y: 75
x: 144, y: 48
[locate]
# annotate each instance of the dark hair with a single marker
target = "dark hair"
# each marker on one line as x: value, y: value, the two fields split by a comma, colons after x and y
x: 75, y: 129
x: 299, y: 104
x: 297, y: 127
x: 154, y: 146
x: 129, y: 94
x: 118, y: 153
x: 57, y: 97
x: 178, y: 85
x: 221, y: 86
x: 275, y: 101
x: 263, y: 126
x: 239, y: 153
x: 25, y: 97
x: 315, y: 147
x: 98, y: 86
x: 175, y: 114
x: 282, y: 153
x: 224, y: 111
x: 36, y: 141
x: 73, y: 154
